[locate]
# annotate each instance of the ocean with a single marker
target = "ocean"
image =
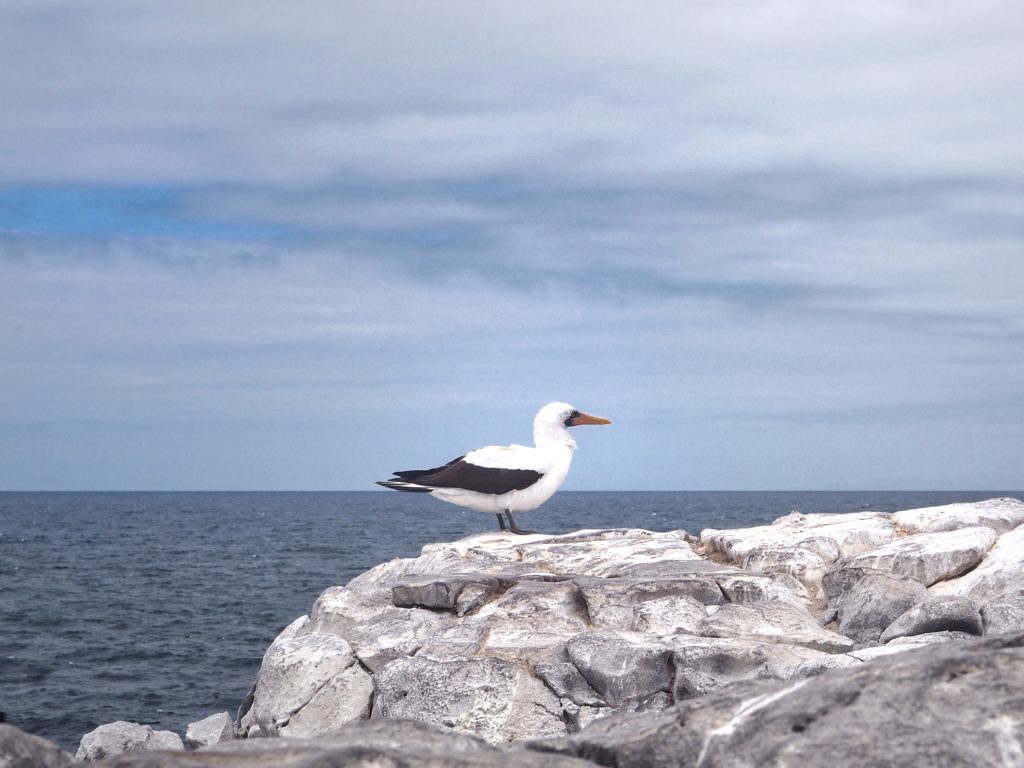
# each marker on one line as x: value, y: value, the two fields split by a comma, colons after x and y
x: 157, y: 607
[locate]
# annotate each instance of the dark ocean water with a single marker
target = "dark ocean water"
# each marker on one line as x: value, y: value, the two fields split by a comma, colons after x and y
x: 157, y: 607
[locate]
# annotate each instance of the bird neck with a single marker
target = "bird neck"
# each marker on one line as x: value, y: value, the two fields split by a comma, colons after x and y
x: 545, y: 436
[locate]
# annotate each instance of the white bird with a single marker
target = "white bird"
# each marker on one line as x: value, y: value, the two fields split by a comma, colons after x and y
x: 505, y: 478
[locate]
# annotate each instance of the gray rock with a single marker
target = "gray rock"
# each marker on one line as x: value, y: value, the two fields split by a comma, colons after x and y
x: 773, y: 622
x: 705, y: 664
x: 294, y: 670
x: 813, y: 667
x: 368, y: 744
x: 929, y: 638
x: 395, y: 633
x: 625, y: 668
x: 1003, y: 614
x: 927, y: 557
x: 443, y: 592
x: 874, y: 602
x: 119, y: 737
x: 209, y: 730
x: 568, y: 684
x: 860, y: 717
x: 495, y: 699
x: 937, y: 614
x: 1001, y: 515
x: 21, y: 750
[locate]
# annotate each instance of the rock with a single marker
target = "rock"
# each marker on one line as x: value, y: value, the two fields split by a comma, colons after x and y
x: 705, y: 664
x: 119, y: 737
x: 813, y: 667
x: 209, y: 730
x: 806, y: 562
x: 443, y: 592
x: 937, y: 614
x: 1003, y: 614
x: 1001, y: 571
x: 297, y: 670
x: 928, y: 638
x: 612, y: 603
x: 773, y: 622
x: 20, y: 750
x: 625, y: 668
x: 368, y: 744
x: 850, y: 534
x: 495, y: 699
x: 395, y: 633
x: 927, y: 557
x: 873, y: 602
x: 1001, y: 515
x: 865, y: 715
x: 668, y: 615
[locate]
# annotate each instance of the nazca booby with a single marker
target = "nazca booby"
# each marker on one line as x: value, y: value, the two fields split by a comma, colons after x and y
x: 505, y: 478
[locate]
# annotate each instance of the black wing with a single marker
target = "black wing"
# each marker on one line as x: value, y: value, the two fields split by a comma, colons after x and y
x: 459, y: 473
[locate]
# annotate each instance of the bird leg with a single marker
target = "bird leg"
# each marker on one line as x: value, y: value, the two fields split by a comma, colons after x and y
x: 512, y: 525
x: 501, y: 521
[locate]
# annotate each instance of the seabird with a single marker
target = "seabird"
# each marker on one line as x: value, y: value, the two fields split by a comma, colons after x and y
x: 505, y: 478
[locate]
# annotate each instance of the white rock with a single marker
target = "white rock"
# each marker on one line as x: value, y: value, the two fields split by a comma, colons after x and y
x: 1001, y: 571
x: 119, y: 737
x: 773, y: 622
x: 209, y: 730
x: 927, y: 557
x: 344, y: 698
x: 1001, y: 515
x: 293, y: 670
x: 851, y: 534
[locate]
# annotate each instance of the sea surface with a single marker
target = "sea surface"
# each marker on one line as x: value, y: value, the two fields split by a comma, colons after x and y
x: 157, y: 607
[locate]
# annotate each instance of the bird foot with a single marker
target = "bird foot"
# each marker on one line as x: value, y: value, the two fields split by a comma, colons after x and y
x: 520, y: 531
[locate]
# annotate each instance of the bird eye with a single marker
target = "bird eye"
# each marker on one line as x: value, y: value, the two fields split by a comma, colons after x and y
x: 573, y: 415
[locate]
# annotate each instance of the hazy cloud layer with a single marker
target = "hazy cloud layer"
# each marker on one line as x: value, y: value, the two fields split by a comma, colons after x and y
x: 299, y: 246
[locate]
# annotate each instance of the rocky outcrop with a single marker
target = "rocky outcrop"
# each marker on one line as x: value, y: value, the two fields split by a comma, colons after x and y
x: 614, y: 634
x: 951, y: 704
x: 20, y: 750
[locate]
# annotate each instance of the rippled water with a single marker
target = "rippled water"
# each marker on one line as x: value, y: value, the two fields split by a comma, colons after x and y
x: 157, y: 607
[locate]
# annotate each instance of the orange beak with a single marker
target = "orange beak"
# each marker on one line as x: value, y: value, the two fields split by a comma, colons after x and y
x: 586, y: 418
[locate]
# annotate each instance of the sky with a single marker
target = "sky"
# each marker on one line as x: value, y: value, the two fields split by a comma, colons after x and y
x: 296, y: 246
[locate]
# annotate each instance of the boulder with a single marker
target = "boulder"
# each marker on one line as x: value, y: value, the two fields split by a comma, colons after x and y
x: 927, y: 557
x: 1001, y: 572
x: 494, y: 699
x: 21, y: 750
x: 1003, y: 614
x: 937, y: 614
x: 668, y: 615
x: 300, y: 670
x: 873, y: 602
x: 119, y: 737
x: 611, y: 603
x: 861, y: 716
x: 806, y: 562
x: 210, y: 730
x: 1001, y: 515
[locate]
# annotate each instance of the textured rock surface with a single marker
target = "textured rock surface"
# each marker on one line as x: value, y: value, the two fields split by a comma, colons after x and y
x: 119, y: 737
x: 1004, y: 614
x: 1000, y: 573
x: 954, y: 704
x: 938, y: 614
x: 873, y: 602
x: 927, y: 557
x: 1001, y: 515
